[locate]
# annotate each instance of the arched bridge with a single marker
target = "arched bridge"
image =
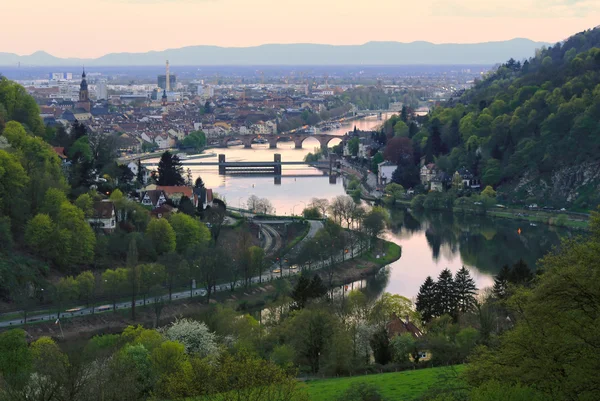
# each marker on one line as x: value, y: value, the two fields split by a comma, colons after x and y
x: 298, y: 139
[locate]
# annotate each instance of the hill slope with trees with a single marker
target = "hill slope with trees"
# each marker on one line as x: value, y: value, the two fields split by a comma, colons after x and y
x: 530, y: 128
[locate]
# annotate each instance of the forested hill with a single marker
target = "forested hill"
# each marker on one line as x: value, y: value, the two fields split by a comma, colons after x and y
x: 530, y: 128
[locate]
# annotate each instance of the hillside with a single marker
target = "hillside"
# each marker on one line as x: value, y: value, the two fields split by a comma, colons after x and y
x: 531, y: 129
x: 371, y: 53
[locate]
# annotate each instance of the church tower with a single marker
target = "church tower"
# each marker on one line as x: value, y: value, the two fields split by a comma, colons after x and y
x: 84, y: 95
x: 164, y: 98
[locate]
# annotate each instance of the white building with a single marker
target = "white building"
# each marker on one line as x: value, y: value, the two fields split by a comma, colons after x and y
x: 101, y: 90
x: 104, y: 217
x: 133, y: 166
x: 385, y: 171
x: 206, y: 91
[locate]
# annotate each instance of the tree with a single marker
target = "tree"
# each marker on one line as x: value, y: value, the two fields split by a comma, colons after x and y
x: 389, y: 306
x: 257, y: 259
x: 82, y: 239
x: 465, y: 291
x: 53, y: 201
x: 115, y: 284
x: 555, y: 323
x: 321, y: 204
x: 140, y: 173
x: 353, y: 146
x: 492, y: 173
x: 259, y: 205
x: 401, y: 129
x: 39, y: 236
x: 16, y: 360
x: 188, y: 231
x: 380, y: 343
x: 86, y: 204
x: 307, y: 289
x: 13, y: 181
x: 489, y: 192
x: 375, y: 161
x: 186, y: 206
x: 375, y: 222
x: 195, y: 337
x: 426, y: 300
x: 151, y: 277
x: 312, y: 213
x: 86, y: 283
x: 67, y: 290
x: 399, y: 150
x: 404, y: 346
x: 395, y: 192
x: 170, y: 170
x: 309, y: 331
x: 445, y: 294
x: 195, y: 140
x: 341, y: 209
x: 501, y: 282
x: 162, y: 235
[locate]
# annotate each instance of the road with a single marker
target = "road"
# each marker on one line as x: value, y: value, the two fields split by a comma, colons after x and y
x: 315, y: 226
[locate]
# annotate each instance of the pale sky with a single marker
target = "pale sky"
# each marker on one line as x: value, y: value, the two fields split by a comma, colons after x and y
x: 91, y: 28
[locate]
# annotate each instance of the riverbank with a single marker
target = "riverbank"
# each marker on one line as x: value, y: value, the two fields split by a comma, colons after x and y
x: 254, y: 297
x: 569, y: 220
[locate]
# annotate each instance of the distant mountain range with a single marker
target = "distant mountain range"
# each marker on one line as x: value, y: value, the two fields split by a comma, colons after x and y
x: 371, y: 53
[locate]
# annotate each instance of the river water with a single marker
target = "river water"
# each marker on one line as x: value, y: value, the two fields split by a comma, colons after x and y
x: 430, y: 242
x: 434, y: 241
x: 297, y: 185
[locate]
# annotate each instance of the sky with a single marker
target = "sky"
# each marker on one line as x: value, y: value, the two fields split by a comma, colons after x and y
x: 91, y: 28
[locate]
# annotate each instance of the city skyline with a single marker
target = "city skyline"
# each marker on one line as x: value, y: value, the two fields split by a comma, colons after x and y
x: 99, y: 27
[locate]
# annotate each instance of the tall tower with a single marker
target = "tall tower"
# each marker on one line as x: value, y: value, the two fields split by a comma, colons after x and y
x: 84, y: 95
x: 168, y: 83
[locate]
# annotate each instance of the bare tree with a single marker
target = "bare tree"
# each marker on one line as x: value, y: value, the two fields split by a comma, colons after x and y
x: 259, y: 205
x: 321, y: 204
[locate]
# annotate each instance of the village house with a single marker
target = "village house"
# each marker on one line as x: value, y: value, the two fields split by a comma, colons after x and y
x: 464, y: 179
x: 104, y: 217
x: 176, y: 193
x: 153, y: 198
x: 385, y: 171
x: 398, y: 327
x: 427, y: 173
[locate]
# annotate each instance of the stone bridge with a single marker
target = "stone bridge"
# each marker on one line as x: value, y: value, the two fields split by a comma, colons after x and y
x: 298, y: 139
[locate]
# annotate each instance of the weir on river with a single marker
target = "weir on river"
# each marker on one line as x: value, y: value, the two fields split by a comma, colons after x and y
x: 256, y: 167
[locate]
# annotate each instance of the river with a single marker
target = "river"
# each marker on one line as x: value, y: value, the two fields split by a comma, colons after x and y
x: 297, y: 185
x: 430, y: 242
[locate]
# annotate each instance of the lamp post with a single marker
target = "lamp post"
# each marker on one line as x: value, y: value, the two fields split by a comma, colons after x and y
x: 293, y: 208
x: 240, y: 202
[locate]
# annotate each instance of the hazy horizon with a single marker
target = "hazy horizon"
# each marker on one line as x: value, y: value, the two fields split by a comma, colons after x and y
x: 90, y: 29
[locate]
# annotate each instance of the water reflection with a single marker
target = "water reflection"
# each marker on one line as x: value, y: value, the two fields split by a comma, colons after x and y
x: 433, y: 241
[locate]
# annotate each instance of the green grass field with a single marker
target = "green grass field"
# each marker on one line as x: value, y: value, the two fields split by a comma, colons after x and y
x: 392, y: 253
x: 401, y: 386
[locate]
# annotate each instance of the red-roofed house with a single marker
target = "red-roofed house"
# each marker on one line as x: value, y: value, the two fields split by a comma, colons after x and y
x: 398, y: 327
x: 175, y: 193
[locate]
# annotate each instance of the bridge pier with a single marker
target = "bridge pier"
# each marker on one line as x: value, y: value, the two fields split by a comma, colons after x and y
x: 221, y: 164
x: 273, y: 142
x: 298, y: 143
x: 277, y: 160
